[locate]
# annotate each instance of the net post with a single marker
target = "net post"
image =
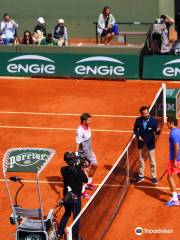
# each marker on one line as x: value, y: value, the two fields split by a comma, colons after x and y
x: 69, y: 233
x: 164, y: 102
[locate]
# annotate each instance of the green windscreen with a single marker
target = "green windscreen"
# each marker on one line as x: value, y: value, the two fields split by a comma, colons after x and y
x: 79, y: 15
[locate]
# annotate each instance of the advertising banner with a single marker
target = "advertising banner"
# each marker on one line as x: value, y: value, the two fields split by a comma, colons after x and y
x: 71, y: 65
x: 161, y: 67
x: 172, y: 102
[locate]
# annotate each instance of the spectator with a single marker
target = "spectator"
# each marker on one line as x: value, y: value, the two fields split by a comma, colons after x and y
x: 1, y: 40
x: 145, y: 128
x: 105, y: 25
x: 41, y: 25
x: 176, y: 47
x: 48, y: 40
x: 27, y: 38
x: 60, y: 33
x: 8, y: 29
x: 39, y: 30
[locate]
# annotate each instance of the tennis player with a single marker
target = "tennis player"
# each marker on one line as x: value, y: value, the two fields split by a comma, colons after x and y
x: 83, y: 144
x: 174, y: 160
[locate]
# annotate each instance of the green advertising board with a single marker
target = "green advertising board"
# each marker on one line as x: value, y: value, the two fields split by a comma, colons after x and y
x: 172, y: 102
x: 72, y: 65
x: 27, y: 159
x: 161, y: 67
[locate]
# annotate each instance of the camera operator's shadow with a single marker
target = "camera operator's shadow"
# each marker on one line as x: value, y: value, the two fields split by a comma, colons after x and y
x: 56, y: 183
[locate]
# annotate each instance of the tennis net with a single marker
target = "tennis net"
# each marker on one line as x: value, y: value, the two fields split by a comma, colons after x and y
x: 98, y: 214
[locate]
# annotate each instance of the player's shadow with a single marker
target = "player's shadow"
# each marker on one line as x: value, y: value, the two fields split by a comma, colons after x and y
x: 151, y: 190
x: 56, y: 183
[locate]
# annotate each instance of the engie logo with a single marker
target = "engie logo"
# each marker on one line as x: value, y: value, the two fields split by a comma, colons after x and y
x: 100, y: 65
x: 26, y: 64
x: 173, y: 70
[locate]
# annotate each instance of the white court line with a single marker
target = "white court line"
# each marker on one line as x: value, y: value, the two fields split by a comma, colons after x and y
x: 63, y: 129
x: 67, y: 114
x: 96, y: 184
x: 68, y: 129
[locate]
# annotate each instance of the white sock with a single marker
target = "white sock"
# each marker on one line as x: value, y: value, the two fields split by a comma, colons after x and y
x: 174, y: 196
x: 83, y: 188
x: 89, y: 180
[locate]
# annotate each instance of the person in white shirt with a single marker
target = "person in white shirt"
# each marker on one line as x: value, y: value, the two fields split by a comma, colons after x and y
x: 8, y: 29
x: 105, y: 25
x: 84, y: 145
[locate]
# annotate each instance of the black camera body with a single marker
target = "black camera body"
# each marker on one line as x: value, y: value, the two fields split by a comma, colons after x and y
x: 159, y: 21
x: 80, y: 161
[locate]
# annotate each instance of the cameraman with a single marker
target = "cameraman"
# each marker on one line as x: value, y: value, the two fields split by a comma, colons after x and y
x: 73, y: 177
x: 165, y: 45
x: 157, y: 41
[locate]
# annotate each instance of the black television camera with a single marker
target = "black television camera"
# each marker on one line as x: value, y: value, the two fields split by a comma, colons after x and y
x: 159, y: 26
x: 80, y: 160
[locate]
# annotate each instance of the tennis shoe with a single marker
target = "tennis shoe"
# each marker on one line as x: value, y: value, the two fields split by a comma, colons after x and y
x: 90, y: 186
x: 172, y: 203
x: 178, y: 196
x: 86, y: 195
x: 139, y: 179
x: 154, y: 181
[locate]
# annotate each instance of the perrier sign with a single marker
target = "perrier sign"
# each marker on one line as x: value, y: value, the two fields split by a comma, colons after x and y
x: 27, y: 159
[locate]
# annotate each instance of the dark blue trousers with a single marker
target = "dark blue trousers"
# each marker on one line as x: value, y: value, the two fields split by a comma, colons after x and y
x: 74, y: 207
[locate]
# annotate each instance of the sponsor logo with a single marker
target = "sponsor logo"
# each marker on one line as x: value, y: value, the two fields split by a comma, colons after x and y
x: 170, y: 107
x: 139, y: 231
x: 33, y: 237
x: 100, y: 66
x: 171, y: 69
x: 23, y: 64
x: 27, y: 158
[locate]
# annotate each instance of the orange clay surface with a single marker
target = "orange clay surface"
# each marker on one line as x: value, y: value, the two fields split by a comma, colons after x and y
x: 45, y: 113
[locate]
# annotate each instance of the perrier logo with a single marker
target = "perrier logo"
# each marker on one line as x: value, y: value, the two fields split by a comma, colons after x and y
x: 27, y: 159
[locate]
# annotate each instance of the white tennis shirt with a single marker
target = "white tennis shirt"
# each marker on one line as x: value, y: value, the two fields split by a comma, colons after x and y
x: 83, y: 134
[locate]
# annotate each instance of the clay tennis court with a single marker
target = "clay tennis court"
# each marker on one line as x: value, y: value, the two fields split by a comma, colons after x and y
x: 45, y: 113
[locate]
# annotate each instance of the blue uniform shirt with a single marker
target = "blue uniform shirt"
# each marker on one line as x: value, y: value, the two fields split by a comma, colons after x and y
x: 146, y: 129
x: 174, y: 138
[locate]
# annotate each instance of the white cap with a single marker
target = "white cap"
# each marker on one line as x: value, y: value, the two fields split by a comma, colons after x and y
x: 41, y: 20
x: 61, y: 20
